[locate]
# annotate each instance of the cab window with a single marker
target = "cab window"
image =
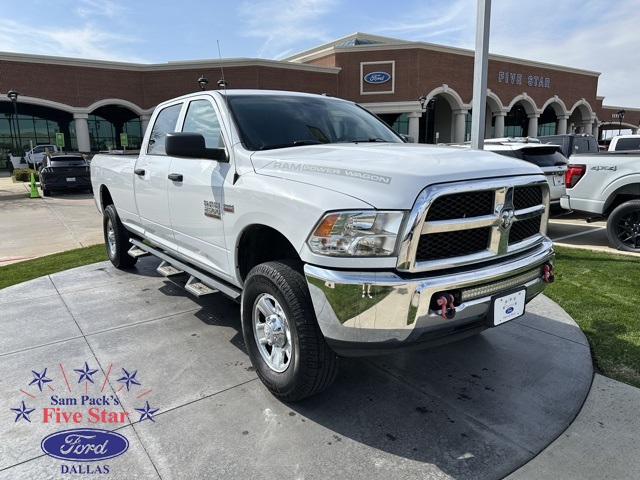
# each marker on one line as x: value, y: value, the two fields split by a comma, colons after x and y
x: 166, y: 122
x: 201, y: 118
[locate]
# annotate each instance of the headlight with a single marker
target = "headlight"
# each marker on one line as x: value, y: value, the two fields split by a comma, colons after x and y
x: 362, y: 234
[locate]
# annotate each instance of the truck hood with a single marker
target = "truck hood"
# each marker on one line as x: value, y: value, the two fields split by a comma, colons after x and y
x: 386, y: 176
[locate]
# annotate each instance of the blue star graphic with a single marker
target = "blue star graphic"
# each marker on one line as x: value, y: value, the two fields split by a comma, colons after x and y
x: 39, y: 378
x: 129, y: 379
x: 147, y: 412
x: 86, y: 373
x: 23, y: 412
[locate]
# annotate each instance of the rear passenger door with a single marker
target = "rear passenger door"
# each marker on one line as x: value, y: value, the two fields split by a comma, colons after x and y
x: 150, y: 179
x: 196, y: 196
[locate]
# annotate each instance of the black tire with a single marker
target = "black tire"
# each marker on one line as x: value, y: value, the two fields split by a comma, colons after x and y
x: 623, y: 226
x: 116, y: 239
x: 45, y: 192
x: 308, y: 364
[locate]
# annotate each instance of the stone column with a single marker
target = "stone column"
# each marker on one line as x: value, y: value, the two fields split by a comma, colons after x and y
x: 588, y: 128
x: 562, y: 124
x: 82, y: 132
x: 414, y: 125
x: 487, y: 125
x: 533, y: 125
x: 498, y: 131
x: 459, y: 122
x: 144, y: 122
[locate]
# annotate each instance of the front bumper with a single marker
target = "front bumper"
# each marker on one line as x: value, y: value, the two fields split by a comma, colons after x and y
x: 366, y: 313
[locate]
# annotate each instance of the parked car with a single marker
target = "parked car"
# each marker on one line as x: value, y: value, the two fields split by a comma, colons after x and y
x: 64, y: 171
x: 548, y: 157
x: 571, y: 143
x: 624, y: 142
x: 35, y: 156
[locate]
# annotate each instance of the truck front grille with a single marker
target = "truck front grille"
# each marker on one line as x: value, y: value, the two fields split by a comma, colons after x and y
x: 475, y: 221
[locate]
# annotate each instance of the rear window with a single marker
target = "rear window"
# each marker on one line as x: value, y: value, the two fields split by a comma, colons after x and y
x: 543, y: 157
x: 67, y: 161
x: 628, y: 144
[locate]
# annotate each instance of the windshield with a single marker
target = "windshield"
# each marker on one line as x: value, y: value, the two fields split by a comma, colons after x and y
x: 67, y: 161
x: 278, y: 121
x: 544, y: 157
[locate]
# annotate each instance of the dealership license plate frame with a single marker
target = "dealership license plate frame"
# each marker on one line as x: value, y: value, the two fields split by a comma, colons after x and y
x: 515, y: 299
x: 71, y: 179
x: 558, y: 180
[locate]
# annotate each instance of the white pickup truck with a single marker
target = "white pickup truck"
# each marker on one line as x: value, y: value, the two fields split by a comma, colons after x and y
x: 334, y: 235
x: 608, y: 183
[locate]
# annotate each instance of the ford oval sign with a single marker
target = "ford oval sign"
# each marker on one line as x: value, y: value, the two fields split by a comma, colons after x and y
x: 84, y: 445
x: 377, y: 77
x: 509, y: 310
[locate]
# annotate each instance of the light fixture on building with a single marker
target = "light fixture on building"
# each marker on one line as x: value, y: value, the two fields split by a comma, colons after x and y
x: 222, y: 83
x: 621, y: 113
x: 202, y: 81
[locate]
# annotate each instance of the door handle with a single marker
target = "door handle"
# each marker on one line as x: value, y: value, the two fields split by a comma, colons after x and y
x: 176, y: 177
x: 139, y: 171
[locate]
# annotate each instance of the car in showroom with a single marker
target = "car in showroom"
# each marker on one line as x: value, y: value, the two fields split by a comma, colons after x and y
x: 64, y: 172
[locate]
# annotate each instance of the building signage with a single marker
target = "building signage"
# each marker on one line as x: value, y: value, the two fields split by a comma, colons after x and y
x: 377, y: 77
x: 517, y: 79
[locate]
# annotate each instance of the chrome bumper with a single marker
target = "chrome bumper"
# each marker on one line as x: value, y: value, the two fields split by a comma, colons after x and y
x: 362, y: 313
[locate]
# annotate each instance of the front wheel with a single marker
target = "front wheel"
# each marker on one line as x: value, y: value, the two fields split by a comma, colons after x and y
x: 623, y: 226
x: 116, y: 239
x: 281, y: 333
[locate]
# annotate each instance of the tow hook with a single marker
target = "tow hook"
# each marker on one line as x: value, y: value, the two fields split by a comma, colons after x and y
x: 547, y: 273
x: 448, y: 309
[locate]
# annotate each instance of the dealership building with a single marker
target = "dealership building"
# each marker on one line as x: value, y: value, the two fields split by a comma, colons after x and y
x: 421, y: 89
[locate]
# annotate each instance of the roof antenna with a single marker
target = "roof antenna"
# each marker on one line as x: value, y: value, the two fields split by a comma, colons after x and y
x: 222, y: 83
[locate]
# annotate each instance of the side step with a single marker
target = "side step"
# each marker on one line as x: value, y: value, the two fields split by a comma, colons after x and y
x: 199, y: 289
x: 200, y: 282
x: 167, y: 270
x: 136, y: 252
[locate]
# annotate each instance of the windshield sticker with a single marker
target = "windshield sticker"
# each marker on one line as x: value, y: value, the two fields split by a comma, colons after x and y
x: 297, y: 167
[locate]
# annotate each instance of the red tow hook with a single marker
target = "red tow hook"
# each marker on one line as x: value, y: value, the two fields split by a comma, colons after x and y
x: 448, y: 309
x: 547, y: 273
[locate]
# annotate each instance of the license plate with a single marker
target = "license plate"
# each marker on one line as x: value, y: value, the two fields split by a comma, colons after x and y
x: 509, y: 306
x: 558, y: 180
x: 71, y: 179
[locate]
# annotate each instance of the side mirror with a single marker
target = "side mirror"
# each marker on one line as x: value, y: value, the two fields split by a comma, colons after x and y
x: 192, y: 145
x: 407, y: 138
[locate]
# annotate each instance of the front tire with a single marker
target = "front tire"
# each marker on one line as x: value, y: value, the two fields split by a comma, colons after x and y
x: 281, y: 333
x: 623, y: 226
x: 116, y: 238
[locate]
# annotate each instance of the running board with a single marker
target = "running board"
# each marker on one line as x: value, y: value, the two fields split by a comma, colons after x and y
x: 199, y: 289
x: 199, y: 277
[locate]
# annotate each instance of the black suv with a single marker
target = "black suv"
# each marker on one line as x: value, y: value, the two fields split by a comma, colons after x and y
x: 64, y: 171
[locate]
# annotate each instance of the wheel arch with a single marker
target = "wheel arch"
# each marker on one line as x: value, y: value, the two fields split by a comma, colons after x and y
x: 620, y: 195
x: 259, y: 244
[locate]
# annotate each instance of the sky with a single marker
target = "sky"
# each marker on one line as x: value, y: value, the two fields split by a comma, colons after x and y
x: 595, y: 35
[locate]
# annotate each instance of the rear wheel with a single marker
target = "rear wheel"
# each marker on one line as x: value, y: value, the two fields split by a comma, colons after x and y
x: 282, y: 335
x: 45, y: 192
x: 116, y: 239
x: 623, y: 226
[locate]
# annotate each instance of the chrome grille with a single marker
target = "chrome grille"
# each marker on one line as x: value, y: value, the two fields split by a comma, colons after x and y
x: 454, y: 225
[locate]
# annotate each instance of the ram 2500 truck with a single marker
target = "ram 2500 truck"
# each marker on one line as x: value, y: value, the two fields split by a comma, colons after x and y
x: 608, y: 183
x: 334, y: 235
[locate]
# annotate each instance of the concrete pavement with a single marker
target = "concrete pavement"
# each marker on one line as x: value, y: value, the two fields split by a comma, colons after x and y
x: 516, y: 401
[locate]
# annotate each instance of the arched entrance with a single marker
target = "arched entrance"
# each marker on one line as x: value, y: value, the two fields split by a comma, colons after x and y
x: 106, y: 123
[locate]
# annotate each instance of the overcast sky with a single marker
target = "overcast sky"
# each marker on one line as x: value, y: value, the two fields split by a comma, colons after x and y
x: 597, y: 35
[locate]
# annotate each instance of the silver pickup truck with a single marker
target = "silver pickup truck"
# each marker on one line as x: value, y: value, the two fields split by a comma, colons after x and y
x: 608, y: 183
x: 335, y: 235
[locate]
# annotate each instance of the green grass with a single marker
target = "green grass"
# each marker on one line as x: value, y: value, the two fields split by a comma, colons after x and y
x: 37, y: 267
x: 600, y: 291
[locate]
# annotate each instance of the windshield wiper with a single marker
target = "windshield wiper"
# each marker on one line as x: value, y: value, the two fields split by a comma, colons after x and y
x: 363, y: 140
x: 297, y: 143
